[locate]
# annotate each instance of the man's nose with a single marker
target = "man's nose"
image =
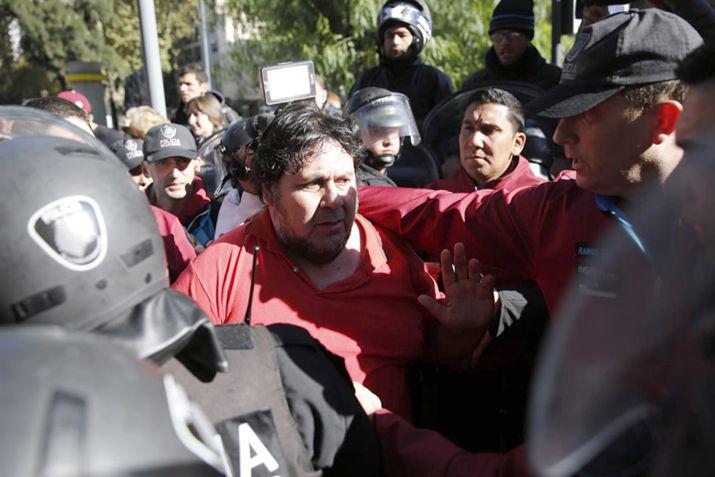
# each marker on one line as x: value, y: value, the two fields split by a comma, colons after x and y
x: 332, y: 197
x: 564, y: 134
x: 478, y: 139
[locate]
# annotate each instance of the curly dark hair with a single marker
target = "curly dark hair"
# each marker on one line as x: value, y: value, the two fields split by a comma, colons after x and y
x: 294, y: 134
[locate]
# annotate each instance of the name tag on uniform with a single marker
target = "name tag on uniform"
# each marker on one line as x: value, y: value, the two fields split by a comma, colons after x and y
x: 591, y: 281
x: 252, y: 445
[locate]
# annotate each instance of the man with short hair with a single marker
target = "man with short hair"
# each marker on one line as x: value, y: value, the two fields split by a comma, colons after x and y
x: 404, y: 28
x: 170, y: 161
x: 618, y: 102
x: 194, y: 82
x: 309, y: 259
x: 491, y: 139
x: 64, y: 109
x: 512, y: 57
x: 107, y: 135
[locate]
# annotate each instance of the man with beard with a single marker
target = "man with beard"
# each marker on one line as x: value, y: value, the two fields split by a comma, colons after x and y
x: 403, y: 30
x: 309, y: 259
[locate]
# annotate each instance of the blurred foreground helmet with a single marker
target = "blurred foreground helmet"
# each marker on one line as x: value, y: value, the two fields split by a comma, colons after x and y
x: 625, y: 385
x: 414, y: 14
x: 72, y: 404
x: 382, y: 114
x: 81, y: 248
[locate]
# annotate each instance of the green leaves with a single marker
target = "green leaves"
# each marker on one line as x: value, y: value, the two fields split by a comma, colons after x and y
x: 339, y: 35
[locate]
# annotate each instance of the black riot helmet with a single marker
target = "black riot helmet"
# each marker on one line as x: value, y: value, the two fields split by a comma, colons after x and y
x: 246, y: 133
x: 382, y: 115
x: 83, y: 245
x: 75, y: 404
x: 414, y: 14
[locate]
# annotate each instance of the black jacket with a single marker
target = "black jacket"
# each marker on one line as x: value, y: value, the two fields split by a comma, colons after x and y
x: 231, y: 116
x: 424, y: 85
x: 531, y: 68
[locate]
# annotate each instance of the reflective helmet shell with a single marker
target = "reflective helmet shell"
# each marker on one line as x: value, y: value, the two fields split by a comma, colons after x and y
x: 414, y: 14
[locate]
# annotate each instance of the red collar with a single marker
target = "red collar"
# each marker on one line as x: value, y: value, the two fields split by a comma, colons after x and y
x: 372, y: 253
x: 195, y: 203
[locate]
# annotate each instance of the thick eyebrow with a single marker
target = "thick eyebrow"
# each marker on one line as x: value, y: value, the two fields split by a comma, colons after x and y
x: 320, y: 177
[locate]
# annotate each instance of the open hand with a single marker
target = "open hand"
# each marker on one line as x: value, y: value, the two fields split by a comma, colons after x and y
x: 469, y: 300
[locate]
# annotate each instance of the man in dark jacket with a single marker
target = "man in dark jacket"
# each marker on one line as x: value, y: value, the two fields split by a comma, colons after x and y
x: 193, y: 82
x: 403, y: 29
x: 512, y: 56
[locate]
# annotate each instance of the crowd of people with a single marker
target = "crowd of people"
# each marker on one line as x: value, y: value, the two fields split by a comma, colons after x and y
x: 313, y: 291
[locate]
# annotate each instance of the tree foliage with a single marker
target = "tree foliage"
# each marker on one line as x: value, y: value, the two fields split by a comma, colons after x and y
x: 55, y: 32
x: 339, y: 35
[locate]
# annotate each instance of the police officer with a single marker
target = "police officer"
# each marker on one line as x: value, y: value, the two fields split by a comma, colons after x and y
x: 237, y: 147
x: 384, y: 119
x: 88, y: 257
x: 403, y: 30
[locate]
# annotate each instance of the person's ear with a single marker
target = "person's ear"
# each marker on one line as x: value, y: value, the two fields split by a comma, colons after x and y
x: 518, y: 144
x: 667, y: 114
x: 145, y: 168
x: 267, y: 195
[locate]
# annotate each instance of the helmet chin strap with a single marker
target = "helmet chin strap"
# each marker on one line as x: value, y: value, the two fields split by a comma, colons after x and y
x: 379, y: 162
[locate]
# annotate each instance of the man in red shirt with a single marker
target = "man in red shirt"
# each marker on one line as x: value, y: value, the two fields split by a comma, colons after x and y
x: 490, y: 140
x: 310, y: 260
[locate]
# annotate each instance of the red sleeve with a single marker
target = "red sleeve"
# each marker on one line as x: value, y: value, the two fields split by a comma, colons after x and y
x: 177, y: 249
x: 499, y: 228
x: 409, y: 451
x: 190, y: 283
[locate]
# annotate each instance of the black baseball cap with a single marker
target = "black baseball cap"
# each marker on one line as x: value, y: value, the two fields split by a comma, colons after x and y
x: 625, y: 49
x: 129, y: 151
x: 169, y: 140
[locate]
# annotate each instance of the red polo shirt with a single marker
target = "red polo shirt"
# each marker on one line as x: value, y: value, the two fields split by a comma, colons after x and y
x: 531, y: 232
x: 371, y: 319
x: 177, y: 249
x: 518, y: 175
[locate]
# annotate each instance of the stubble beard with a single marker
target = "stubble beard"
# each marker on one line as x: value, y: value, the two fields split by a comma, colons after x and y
x: 302, y: 247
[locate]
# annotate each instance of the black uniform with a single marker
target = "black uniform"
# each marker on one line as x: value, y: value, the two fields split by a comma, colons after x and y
x: 531, y: 68
x: 424, y: 85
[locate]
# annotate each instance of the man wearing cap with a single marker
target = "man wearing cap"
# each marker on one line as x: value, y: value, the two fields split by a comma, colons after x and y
x: 170, y: 161
x: 618, y: 103
x: 403, y: 30
x: 177, y: 248
x: 512, y: 57
x: 491, y: 139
